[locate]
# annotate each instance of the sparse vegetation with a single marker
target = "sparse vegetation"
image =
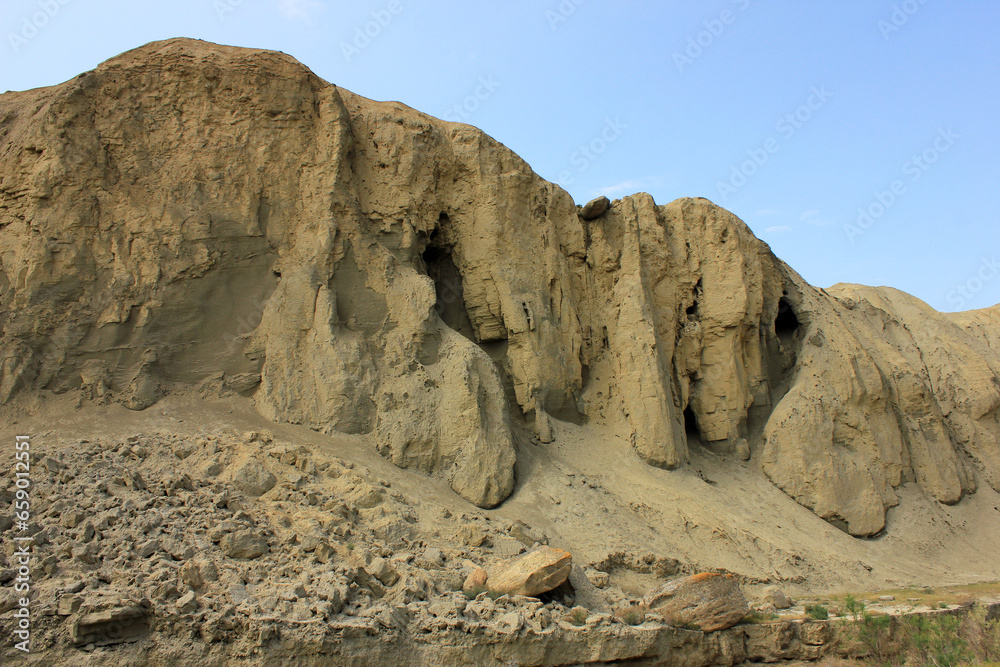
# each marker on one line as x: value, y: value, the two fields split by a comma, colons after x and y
x: 817, y: 612
x: 479, y: 590
x: 633, y: 617
x: 632, y: 614
x: 937, y: 639
x: 757, y: 616
x: 578, y: 616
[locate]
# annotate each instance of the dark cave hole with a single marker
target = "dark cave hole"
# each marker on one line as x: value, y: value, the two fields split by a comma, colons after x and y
x: 786, y: 323
x: 450, y: 302
x: 692, y: 310
x: 691, y: 426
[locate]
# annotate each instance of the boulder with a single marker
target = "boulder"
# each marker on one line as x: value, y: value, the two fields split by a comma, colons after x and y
x: 595, y: 208
x: 532, y: 573
x: 253, y: 479
x: 244, y: 544
x: 775, y: 597
x: 707, y: 601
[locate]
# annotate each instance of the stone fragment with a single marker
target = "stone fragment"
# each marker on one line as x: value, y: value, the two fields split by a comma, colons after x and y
x: 382, y: 570
x: 112, y: 626
x: 72, y: 518
x: 598, y: 578
x: 475, y: 582
x: 775, y: 597
x: 188, y: 603
x: 244, y: 544
x: 707, y: 601
x: 69, y: 604
x: 253, y: 479
x: 509, y: 623
x: 532, y: 573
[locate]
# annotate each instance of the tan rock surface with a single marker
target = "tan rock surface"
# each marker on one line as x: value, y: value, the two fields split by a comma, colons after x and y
x: 534, y: 572
x: 189, y: 213
x: 707, y: 601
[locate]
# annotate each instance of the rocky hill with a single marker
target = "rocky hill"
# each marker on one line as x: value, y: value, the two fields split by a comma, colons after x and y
x: 190, y: 217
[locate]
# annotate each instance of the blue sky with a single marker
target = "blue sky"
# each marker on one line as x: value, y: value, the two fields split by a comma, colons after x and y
x: 860, y: 139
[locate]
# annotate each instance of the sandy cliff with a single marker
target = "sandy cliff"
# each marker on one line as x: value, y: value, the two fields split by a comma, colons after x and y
x: 190, y: 214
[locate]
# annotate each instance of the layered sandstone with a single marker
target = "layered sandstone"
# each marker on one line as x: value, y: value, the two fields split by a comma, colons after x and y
x: 190, y: 213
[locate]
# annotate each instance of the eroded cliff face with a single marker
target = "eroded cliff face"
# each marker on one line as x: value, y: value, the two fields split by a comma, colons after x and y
x: 190, y: 213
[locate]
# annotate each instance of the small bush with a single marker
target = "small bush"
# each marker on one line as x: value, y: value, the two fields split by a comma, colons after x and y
x: 633, y: 617
x: 854, y: 606
x: 757, y: 616
x: 817, y: 612
x: 631, y: 614
x: 578, y: 616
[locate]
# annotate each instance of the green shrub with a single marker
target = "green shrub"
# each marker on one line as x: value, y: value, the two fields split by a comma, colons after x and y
x: 875, y: 633
x: 578, y: 616
x: 854, y: 606
x: 817, y: 612
x: 935, y: 640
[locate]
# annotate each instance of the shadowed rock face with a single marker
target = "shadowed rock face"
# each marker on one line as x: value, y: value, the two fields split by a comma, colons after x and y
x: 188, y: 211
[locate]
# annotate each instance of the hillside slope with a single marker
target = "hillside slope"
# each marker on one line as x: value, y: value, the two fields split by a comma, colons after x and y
x: 189, y: 213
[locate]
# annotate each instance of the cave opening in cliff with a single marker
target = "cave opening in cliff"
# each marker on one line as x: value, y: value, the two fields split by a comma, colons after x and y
x: 450, y: 302
x: 691, y: 429
x: 786, y: 323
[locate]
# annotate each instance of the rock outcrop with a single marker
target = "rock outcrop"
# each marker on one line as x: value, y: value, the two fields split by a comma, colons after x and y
x: 189, y: 213
x: 705, y: 601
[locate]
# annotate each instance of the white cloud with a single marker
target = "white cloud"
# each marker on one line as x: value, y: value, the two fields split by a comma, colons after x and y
x: 299, y: 9
x: 767, y: 212
x: 812, y: 217
x: 625, y: 187
x: 777, y: 229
